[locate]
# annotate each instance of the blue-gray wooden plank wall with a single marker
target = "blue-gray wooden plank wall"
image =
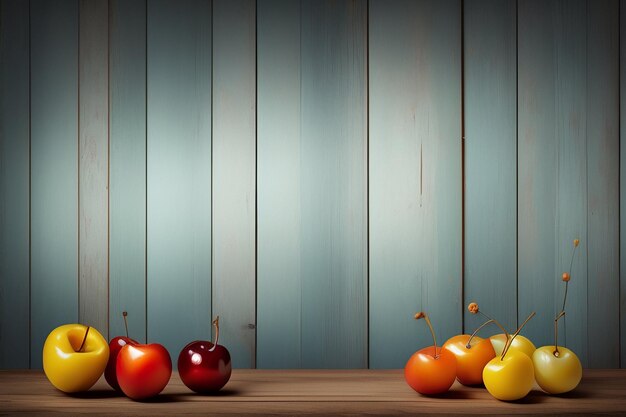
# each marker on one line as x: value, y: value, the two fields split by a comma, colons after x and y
x: 313, y: 171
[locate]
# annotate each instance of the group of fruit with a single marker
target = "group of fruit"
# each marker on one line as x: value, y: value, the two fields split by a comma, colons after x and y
x: 507, y: 364
x: 75, y: 357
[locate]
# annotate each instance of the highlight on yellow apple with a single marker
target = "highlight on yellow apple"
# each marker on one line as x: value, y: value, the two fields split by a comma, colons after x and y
x: 74, y: 357
x: 510, y: 376
x: 520, y: 343
x: 557, y: 369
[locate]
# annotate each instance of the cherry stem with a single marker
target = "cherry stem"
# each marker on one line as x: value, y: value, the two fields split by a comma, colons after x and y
x: 432, y: 331
x: 469, y: 342
x: 84, y: 339
x: 216, y: 323
x: 519, y: 329
x: 556, y: 333
x: 125, y: 314
x: 496, y: 323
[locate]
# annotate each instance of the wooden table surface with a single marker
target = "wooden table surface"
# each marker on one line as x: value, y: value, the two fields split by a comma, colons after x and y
x: 318, y: 392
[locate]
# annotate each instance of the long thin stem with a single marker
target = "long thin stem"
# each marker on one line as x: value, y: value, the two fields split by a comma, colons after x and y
x: 556, y: 333
x: 216, y: 323
x: 562, y: 312
x: 496, y: 323
x: 430, y: 326
x: 519, y: 329
x: 84, y: 340
x: 564, y: 297
x: 124, y: 313
x: 469, y: 341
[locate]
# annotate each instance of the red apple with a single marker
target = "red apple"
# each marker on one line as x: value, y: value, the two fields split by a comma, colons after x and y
x: 115, y: 345
x: 205, y: 367
x: 143, y: 370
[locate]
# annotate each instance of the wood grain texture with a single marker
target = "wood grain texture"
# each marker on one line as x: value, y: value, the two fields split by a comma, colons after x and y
x: 127, y: 194
x: 14, y: 184
x: 571, y: 107
x: 323, y: 392
x: 537, y: 182
x: 279, y: 242
x: 179, y: 173
x: 234, y: 156
x: 490, y: 276
x: 54, y: 169
x: 333, y: 175
x: 93, y: 167
x: 603, y: 183
x: 415, y: 175
x: 552, y: 192
x: 622, y: 180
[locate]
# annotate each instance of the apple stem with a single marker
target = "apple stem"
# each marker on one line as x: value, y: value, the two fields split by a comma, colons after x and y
x: 496, y: 322
x: 562, y: 313
x: 469, y: 345
x: 125, y: 314
x: 216, y: 323
x: 84, y: 340
x: 422, y: 315
x: 519, y: 329
x: 556, y: 333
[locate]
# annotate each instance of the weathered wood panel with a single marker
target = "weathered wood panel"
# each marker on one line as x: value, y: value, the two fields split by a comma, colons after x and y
x: 415, y: 175
x: 234, y: 176
x: 179, y: 173
x: 334, y: 184
x: 127, y: 194
x: 14, y: 184
x: 279, y: 242
x: 557, y: 108
x: 54, y: 169
x: 570, y: 171
x: 490, y: 276
x: 537, y: 153
x: 93, y: 166
x: 622, y: 176
x: 603, y: 183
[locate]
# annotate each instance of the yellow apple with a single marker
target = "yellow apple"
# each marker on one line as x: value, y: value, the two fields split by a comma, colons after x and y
x: 557, y: 374
x: 511, y: 378
x: 519, y: 343
x: 74, y: 357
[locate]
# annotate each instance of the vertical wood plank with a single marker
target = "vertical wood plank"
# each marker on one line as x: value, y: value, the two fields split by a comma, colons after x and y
x: 279, y: 209
x: 622, y: 181
x: 537, y: 152
x: 552, y: 192
x: 570, y: 170
x: 415, y: 175
x: 491, y: 160
x: 127, y: 120
x: 334, y: 184
x: 179, y: 172
x: 54, y: 169
x: 93, y: 181
x: 234, y: 199
x: 603, y: 182
x: 14, y: 184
